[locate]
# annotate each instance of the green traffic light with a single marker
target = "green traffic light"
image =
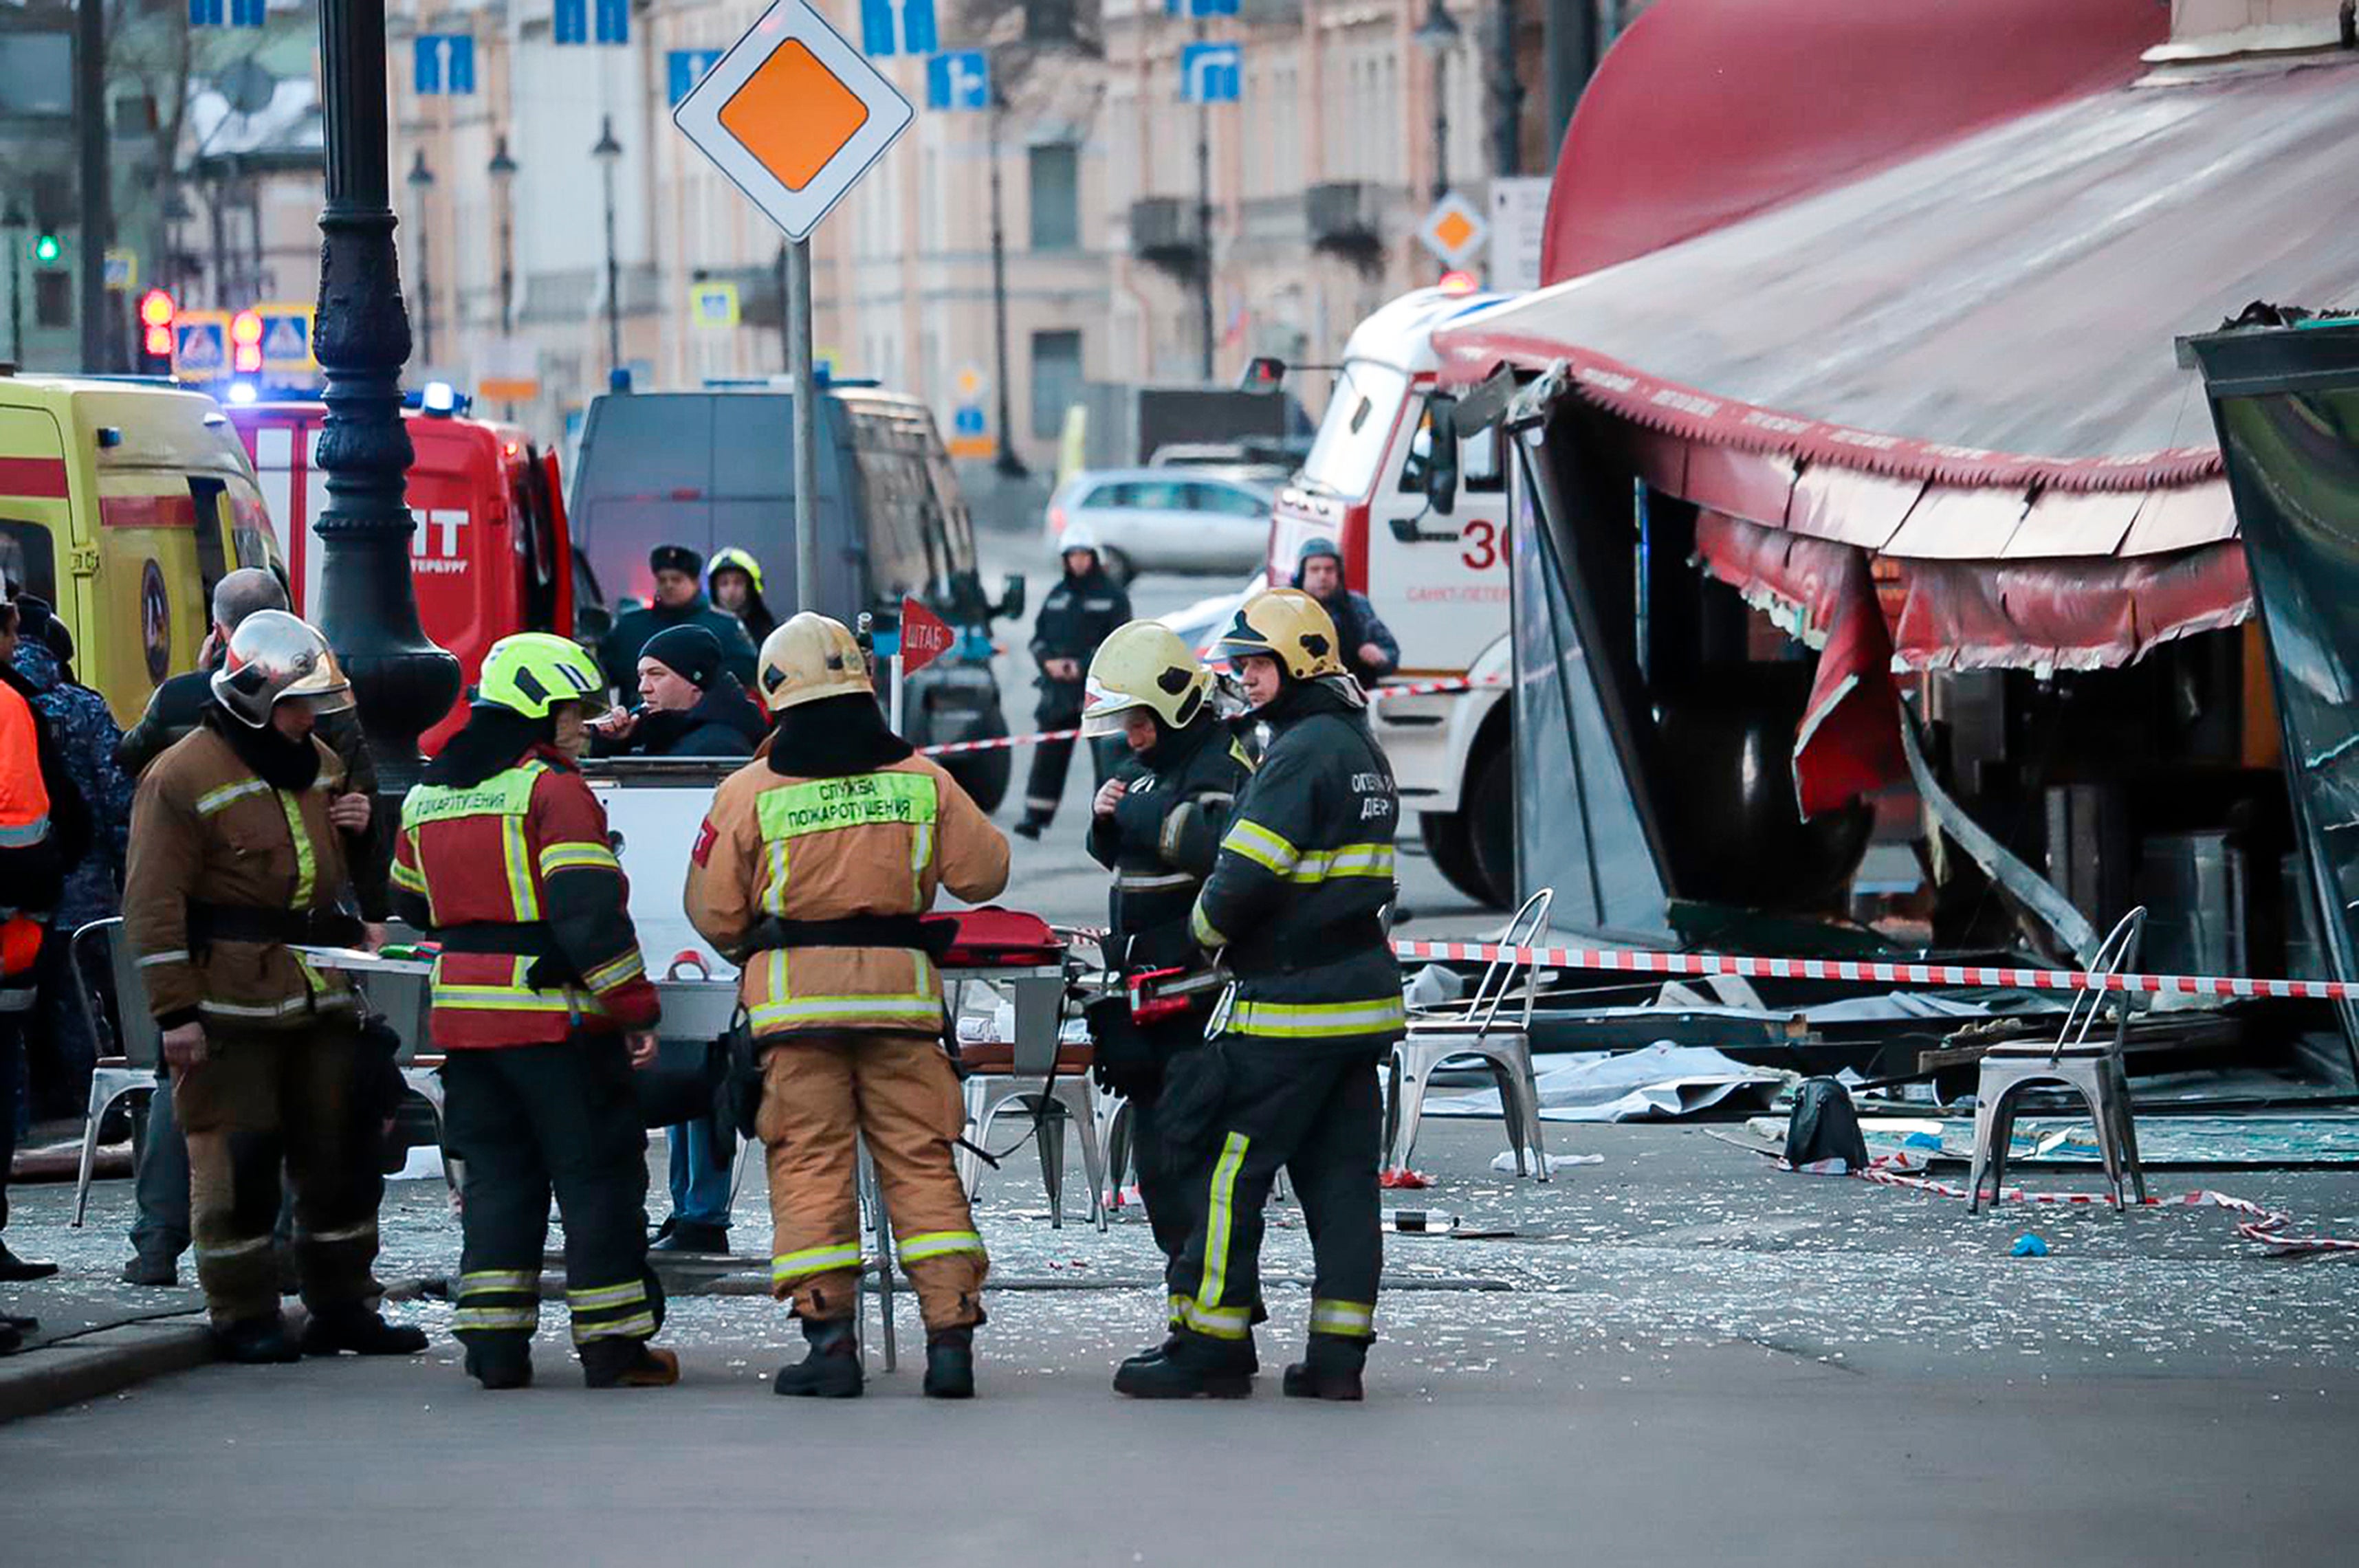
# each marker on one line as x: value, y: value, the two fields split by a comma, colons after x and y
x: 45, y: 249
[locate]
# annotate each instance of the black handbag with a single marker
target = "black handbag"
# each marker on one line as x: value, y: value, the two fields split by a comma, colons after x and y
x: 677, y: 1087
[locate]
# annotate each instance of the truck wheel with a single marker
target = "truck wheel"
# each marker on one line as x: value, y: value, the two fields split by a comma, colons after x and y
x: 985, y: 775
x: 1489, y: 813
x: 1445, y: 845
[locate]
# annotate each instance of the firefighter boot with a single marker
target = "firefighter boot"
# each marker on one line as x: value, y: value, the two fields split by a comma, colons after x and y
x: 257, y: 1341
x: 1330, y: 1369
x: 832, y: 1370
x: 1189, y: 1365
x: 361, y: 1331
x: 501, y: 1365
x: 949, y: 1363
x: 617, y: 1363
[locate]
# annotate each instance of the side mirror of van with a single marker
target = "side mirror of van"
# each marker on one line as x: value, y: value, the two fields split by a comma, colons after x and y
x: 1442, y: 455
x: 1011, y: 596
x: 591, y: 623
x: 1263, y: 373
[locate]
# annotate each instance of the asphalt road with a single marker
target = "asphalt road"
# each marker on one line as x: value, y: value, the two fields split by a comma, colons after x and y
x: 1682, y: 1357
x: 1054, y: 878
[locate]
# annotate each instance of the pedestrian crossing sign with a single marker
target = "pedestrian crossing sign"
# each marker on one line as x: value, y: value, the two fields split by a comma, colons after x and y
x: 201, y: 345
x: 286, y: 340
x: 712, y: 306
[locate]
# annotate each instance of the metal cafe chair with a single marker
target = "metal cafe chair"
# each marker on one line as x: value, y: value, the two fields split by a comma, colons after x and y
x: 2094, y: 1070
x: 1472, y: 1028
x: 142, y: 1043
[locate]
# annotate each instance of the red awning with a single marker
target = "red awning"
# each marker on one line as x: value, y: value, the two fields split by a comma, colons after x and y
x: 1997, y: 312
x: 1708, y: 110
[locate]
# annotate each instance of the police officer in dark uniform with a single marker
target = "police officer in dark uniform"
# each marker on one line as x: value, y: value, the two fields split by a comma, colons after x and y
x: 1080, y: 613
x: 1157, y: 824
x: 1295, y: 906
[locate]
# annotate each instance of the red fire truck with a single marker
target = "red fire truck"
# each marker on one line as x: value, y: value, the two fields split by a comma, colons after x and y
x: 489, y: 554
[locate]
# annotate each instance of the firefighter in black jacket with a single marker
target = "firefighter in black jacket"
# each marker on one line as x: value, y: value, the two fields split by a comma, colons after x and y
x: 1295, y: 906
x: 1080, y: 613
x: 1157, y: 824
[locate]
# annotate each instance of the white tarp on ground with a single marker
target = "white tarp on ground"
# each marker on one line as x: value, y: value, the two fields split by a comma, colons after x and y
x: 1660, y: 1082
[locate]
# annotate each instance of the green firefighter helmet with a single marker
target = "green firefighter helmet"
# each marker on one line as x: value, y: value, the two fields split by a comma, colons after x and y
x: 532, y: 672
x: 1145, y: 664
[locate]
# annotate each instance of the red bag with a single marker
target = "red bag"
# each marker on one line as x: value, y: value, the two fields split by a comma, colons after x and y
x: 993, y: 937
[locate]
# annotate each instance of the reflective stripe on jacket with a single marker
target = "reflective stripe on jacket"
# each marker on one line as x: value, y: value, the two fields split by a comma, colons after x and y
x: 1304, y: 869
x: 1161, y: 840
x: 525, y: 847
x: 205, y: 826
x: 801, y: 848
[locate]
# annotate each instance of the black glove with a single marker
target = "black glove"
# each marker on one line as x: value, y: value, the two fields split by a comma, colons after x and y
x: 1124, y: 1061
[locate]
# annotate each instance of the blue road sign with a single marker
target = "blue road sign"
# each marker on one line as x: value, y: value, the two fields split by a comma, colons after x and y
x: 202, y: 350
x: 570, y: 23
x: 683, y: 69
x: 967, y: 420
x: 959, y: 80
x: 1211, y: 73
x: 897, y: 27
x: 1200, y: 8
x: 248, y: 14
x: 286, y: 339
x: 205, y: 13
x: 444, y: 63
x: 611, y: 22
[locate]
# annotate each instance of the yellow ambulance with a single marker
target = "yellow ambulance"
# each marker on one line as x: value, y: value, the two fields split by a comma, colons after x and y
x: 122, y: 503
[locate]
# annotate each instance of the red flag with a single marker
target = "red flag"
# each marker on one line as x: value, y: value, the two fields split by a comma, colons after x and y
x: 925, y: 637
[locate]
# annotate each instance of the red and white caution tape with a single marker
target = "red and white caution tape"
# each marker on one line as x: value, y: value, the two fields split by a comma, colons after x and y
x: 2266, y: 1226
x: 1861, y: 971
x: 1002, y: 742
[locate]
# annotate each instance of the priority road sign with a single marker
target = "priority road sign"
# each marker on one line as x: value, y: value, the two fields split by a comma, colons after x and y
x: 969, y: 383
x: 1453, y: 230
x: 793, y: 115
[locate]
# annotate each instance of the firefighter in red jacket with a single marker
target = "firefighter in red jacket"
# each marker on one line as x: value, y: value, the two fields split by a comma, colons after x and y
x: 542, y: 1006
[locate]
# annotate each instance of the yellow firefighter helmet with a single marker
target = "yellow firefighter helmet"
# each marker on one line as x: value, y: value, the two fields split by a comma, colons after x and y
x: 1289, y: 625
x: 1145, y: 664
x: 808, y: 658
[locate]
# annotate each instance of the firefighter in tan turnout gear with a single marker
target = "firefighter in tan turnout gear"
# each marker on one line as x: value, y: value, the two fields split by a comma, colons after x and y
x: 237, y: 851
x: 812, y: 871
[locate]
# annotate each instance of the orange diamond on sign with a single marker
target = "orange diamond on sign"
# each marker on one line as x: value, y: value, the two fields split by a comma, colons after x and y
x: 1454, y: 229
x: 793, y: 114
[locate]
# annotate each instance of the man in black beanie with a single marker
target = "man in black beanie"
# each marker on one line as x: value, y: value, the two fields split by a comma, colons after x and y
x: 679, y: 601
x: 689, y: 704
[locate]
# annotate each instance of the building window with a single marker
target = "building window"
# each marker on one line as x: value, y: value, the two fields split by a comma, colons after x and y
x: 1056, y: 380
x: 53, y: 298
x: 1057, y: 196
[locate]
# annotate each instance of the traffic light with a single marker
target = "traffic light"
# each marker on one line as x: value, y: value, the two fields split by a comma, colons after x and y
x: 246, y: 343
x: 157, y: 313
x: 47, y: 249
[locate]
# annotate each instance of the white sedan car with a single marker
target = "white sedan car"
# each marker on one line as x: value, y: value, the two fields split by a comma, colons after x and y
x: 1166, y: 519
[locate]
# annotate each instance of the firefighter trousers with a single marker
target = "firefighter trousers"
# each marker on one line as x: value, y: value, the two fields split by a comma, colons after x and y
x: 1045, y: 786
x: 1165, y: 1184
x: 530, y: 1120
x: 1311, y: 1108
x: 898, y: 1092
x: 299, y: 1096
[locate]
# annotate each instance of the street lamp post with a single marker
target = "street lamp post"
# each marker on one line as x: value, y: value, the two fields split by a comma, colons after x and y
x: 421, y: 182
x: 1007, y: 461
x: 502, y: 170
x: 1205, y: 223
x: 368, y: 605
x: 1507, y: 94
x: 609, y: 152
x: 12, y: 227
x: 1437, y: 34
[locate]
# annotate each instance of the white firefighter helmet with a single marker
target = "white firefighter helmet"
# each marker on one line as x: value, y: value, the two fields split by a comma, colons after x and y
x: 272, y: 656
x: 808, y: 658
x: 1145, y: 664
